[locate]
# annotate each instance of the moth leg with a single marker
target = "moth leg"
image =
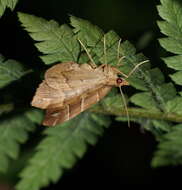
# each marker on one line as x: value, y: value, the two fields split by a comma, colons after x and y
x: 82, y: 103
x: 68, y: 111
x: 92, y: 63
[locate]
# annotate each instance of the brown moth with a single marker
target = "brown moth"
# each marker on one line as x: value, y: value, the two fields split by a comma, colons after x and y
x: 70, y: 88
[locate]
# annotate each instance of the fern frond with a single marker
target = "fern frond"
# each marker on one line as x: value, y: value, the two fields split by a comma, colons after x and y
x: 155, y: 98
x: 60, y: 149
x: 56, y: 42
x: 10, y: 70
x: 151, y: 81
x: 14, y: 131
x: 169, y: 152
x: 7, y: 4
x: 171, y: 12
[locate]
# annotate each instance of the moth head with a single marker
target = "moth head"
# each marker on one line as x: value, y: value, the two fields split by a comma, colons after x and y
x: 117, y: 81
x: 121, y: 82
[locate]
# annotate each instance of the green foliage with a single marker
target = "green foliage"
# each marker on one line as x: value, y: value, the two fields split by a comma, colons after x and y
x: 56, y: 42
x: 7, y: 4
x: 171, y: 12
x: 60, y: 149
x: 14, y: 132
x: 10, y: 70
x: 169, y: 148
x: 149, y: 80
x: 154, y: 106
x: 169, y: 152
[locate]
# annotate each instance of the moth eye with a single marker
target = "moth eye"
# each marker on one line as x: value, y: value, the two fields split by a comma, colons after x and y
x: 119, y: 80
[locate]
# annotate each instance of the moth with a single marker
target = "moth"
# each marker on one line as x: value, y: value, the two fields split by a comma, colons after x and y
x: 70, y: 88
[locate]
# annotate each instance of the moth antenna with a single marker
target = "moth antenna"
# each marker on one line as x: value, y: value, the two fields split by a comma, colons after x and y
x: 133, y: 70
x: 90, y: 57
x: 118, y: 53
x: 125, y: 105
x: 105, y: 58
x: 105, y: 55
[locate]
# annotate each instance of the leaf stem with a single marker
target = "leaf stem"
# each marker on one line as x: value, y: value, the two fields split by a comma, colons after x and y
x: 139, y: 113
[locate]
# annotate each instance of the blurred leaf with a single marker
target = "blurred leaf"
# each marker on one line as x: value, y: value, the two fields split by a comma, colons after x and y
x: 7, y: 4
x: 145, y: 40
x: 10, y: 70
x: 34, y: 115
x: 5, y: 108
x: 169, y: 150
x: 14, y: 131
x: 60, y: 149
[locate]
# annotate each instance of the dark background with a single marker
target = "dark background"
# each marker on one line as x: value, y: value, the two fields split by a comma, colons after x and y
x: 122, y: 156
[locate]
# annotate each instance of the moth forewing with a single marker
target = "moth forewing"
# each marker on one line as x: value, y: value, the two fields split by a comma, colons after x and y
x: 58, y: 115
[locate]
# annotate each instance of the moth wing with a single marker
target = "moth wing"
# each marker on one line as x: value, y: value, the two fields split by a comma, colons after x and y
x: 66, y: 82
x: 57, y: 115
x: 54, y: 75
x: 66, y: 76
x: 46, y: 96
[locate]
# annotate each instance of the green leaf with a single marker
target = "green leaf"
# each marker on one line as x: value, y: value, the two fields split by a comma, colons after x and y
x: 7, y: 4
x: 145, y: 100
x: 57, y: 43
x: 14, y: 131
x: 170, y: 30
x: 160, y: 128
x: 10, y: 70
x: 172, y: 45
x: 34, y: 115
x: 111, y: 48
x: 175, y: 105
x: 60, y: 149
x: 169, y: 149
x: 167, y: 91
x: 174, y: 62
x: 156, y: 76
x: 112, y: 101
x: 171, y: 12
x: 177, y: 77
x: 89, y: 33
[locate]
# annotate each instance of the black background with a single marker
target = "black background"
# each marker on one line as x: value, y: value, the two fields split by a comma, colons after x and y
x: 122, y: 156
